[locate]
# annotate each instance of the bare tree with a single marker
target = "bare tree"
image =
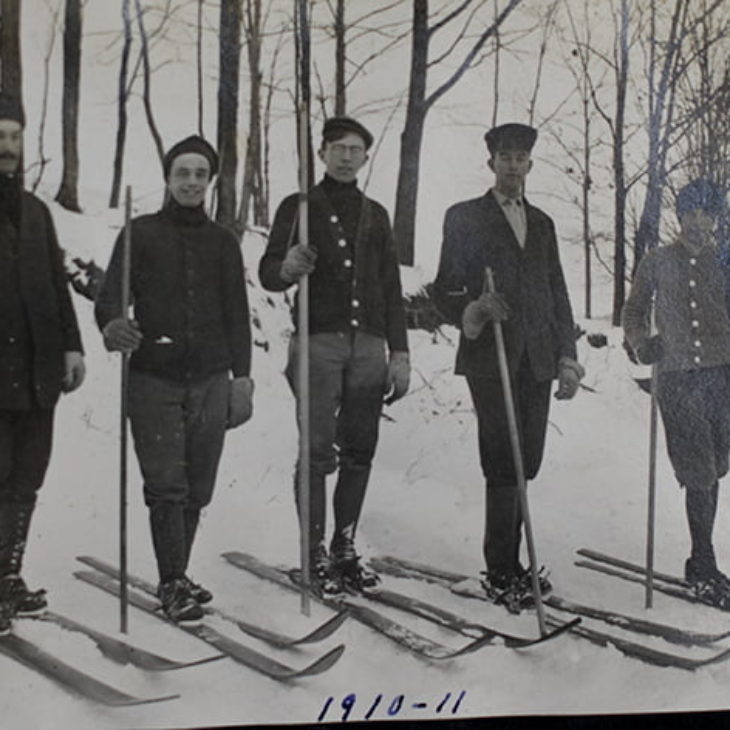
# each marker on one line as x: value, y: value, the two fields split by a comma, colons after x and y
x: 418, y: 107
x: 67, y: 194
x: 253, y: 25
x: 122, y: 98
x: 146, y: 75
x: 229, y: 50
x: 48, y: 55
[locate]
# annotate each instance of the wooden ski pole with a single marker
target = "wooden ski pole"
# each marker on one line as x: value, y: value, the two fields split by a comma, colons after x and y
x: 126, y: 263
x: 303, y: 309
x: 651, y: 512
x: 514, y: 436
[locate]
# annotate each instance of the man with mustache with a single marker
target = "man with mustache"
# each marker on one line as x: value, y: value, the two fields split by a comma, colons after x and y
x: 502, y: 230
x: 40, y: 357
x: 190, y: 345
x: 355, y: 312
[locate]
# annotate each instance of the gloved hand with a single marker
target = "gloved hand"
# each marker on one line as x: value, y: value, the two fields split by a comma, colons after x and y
x: 570, y: 373
x: 298, y: 262
x: 240, y: 401
x: 75, y: 371
x: 399, y: 376
x: 122, y: 335
x: 490, y: 307
x: 650, y: 350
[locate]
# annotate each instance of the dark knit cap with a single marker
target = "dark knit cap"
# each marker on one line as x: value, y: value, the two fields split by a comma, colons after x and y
x: 510, y: 137
x: 335, y: 127
x: 11, y: 108
x: 702, y: 194
x: 196, y: 144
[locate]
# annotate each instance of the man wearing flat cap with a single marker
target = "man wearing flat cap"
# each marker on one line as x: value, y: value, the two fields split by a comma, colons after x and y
x: 40, y: 357
x: 190, y: 345
x: 358, y: 346
x: 503, y: 231
x: 684, y: 285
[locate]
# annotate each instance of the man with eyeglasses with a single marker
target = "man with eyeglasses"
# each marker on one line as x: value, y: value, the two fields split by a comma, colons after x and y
x: 356, y: 313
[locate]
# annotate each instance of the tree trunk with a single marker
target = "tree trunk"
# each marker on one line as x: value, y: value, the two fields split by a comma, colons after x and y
x: 253, y: 174
x: 10, y: 72
x: 122, y: 93
x: 404, y: 221
x: 340, y: 93
x: 619, y: 176
x: 68, y: 192
x: 147, y: 84
x: 199, y: 65
x: 230, y: 46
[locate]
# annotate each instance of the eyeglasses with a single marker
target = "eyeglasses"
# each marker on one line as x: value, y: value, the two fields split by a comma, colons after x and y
x: 340, y: 149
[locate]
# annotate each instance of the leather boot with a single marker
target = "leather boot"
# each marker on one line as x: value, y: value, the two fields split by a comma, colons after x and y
x: 15, y: 520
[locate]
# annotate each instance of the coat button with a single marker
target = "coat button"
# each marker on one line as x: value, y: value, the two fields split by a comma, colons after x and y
x: 354, y: 323
x: 693, y: 304
x: 697, y: 359
x: 698, y: 343
x: 693, y: 261
x: 348, y: 263
x: 355, y: 302
x: 695, y: 323
x: 692, y: 283
x: 333, y: 219
x: 342, y: 243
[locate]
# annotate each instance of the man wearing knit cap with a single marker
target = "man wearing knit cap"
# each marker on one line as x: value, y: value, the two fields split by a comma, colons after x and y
x: 684, y: 285
x: 40, y: 357
x: 502, y: 230
x: 190, y: 345
x: 356, y: 313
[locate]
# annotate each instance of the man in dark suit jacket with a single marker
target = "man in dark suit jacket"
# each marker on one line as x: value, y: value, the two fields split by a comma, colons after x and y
x: 40, y: 356
x: 503, y: 231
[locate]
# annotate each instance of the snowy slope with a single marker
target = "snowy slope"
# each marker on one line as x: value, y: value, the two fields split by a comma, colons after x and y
x: 425, y: 502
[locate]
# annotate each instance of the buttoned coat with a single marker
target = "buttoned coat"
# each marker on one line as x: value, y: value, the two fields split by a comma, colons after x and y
x: 189, y: 295
x: 477, y: 235
x: 50, y: 320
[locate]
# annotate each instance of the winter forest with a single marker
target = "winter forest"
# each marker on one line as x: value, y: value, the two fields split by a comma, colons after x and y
x: 631, y: 100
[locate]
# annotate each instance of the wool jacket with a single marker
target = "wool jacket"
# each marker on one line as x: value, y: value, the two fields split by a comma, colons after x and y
x: 37, y: 319
x: 189, y: 294
x: 355, y: 284
x: 690, y: 307
x: 476, y: 235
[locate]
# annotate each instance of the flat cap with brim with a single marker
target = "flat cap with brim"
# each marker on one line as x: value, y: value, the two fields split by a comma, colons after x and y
x: 335, y: 126
x: 11, y: 108
x: 511, y: 136
x: 196, y: 144
x: 700, y: 194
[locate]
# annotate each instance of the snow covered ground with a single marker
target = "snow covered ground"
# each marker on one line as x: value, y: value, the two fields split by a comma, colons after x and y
x: 425, y: 503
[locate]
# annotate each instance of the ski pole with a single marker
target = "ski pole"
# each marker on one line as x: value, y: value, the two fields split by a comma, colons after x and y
x: 514, y: 436
x: 303, y: 308
x: 126, y: 261
x: 651, y: 512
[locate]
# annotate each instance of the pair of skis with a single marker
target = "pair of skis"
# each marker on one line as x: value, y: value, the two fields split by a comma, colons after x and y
x: 405, y: 637
x: 466, y: 586
x: 142, y: 595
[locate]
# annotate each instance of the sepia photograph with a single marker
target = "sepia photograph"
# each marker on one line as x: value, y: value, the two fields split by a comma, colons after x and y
x: 364, y: 362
